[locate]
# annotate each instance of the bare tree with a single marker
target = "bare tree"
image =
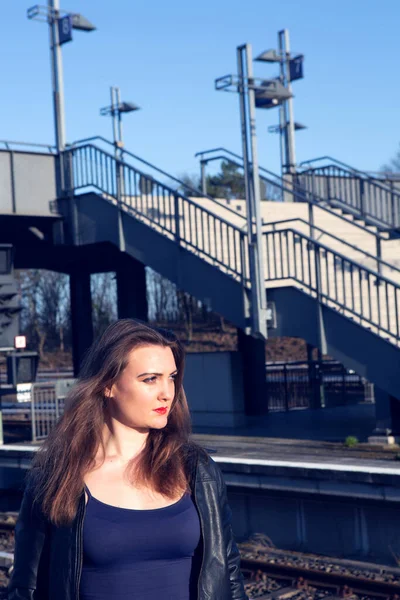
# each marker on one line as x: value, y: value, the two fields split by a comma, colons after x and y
x: 394, y: 164
x: 45, y: 304
x: 104, y: 301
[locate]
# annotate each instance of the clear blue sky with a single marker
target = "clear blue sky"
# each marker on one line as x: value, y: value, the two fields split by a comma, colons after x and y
x: 165, y: 57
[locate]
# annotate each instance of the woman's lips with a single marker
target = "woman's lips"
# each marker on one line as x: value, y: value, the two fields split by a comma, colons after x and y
x: 160, y: 411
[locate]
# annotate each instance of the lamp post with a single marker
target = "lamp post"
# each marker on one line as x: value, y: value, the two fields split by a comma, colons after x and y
x: 291, y: 68
x: 253, y: 93
x: 115, y: 110
x: 61, y: 23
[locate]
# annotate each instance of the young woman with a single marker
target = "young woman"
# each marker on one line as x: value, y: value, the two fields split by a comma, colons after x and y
x: 119, y: 503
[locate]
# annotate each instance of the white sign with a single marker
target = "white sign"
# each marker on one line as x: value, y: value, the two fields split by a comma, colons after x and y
x: 24, y: 392
x: 20, y: 341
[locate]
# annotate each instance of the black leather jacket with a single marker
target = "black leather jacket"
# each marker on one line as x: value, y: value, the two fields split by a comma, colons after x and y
x: 48, y: 559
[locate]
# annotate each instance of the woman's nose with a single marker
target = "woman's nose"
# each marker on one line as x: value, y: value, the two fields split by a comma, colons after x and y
x: 167, y: 390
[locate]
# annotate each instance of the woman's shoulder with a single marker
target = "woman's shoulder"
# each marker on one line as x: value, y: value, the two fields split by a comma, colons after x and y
x: 201, y: 455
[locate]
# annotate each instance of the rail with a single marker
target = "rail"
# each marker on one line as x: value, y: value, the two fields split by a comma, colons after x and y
x: 344, y: 186
x: 335, y: 280
x: 278, y: 188
x: 186, y: 189
x: 16, y: 146
x: 357, y: 291
x: 211, y: 236
x: 379, y: 261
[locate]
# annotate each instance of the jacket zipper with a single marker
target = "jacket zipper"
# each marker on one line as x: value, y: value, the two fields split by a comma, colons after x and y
x: 202, y: 533
x: 79, y: 559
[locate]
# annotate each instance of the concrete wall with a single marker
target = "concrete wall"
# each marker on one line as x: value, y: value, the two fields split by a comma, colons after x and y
x: 213, y: 384
x: 27, y: 182
x: 342, y: 528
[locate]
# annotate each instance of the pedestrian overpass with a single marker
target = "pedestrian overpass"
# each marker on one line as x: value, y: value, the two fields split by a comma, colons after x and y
x: 86, y: 212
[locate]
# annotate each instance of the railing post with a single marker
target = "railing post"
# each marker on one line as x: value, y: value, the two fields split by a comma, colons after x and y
x: 394, y: 212
x: 203, y: 177
x: 33, y: 413
x: 120, y: 190
x: 243, y: 257
x: 286, y: 388
x: 68, y: 192
x: 328, y: 186
x: 362, y: 196
x: 378, y: 255
x: 177, y: 219
x: 322, y: 344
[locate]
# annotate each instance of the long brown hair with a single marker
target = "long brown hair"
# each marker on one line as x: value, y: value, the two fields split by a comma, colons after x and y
x: 69, y: 451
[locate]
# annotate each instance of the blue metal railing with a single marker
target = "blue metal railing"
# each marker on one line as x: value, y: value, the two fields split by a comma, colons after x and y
x: 335, y: 280
x: 358, y: 292
x: 169, y: 180
x: 214, y: 238
x: 345, y: 187
x: 295, y: 190
x: 379, y: 262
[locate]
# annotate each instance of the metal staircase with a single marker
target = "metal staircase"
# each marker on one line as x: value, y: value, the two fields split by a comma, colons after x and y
x: 367, y: 198
x: 303, y: 188
x: 291, y: 259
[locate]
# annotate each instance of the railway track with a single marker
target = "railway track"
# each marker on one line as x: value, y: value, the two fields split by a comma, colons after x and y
x: 282, y: 575
x: 273, y: 574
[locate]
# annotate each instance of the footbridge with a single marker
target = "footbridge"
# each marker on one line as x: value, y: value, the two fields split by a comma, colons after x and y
x: 106, y: 214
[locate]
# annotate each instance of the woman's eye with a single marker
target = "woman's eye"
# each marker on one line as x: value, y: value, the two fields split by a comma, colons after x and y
x: 151, y: 379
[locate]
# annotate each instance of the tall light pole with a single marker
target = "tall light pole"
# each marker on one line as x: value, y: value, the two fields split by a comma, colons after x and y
x: 291, y: 68
x: 253, y: 93
x: 115, y: 110
x: 61, y: 23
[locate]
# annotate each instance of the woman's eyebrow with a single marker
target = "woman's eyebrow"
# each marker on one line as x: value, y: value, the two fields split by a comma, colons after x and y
x: 159, y: 374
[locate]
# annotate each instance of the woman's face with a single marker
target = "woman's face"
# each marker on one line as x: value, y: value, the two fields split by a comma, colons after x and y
x: 145, y: 385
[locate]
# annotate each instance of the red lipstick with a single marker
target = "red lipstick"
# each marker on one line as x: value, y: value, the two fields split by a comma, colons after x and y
x: 161, y: 411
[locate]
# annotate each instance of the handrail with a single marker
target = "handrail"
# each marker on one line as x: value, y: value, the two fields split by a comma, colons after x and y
x: 339, y: 254
x: 346, y: 292
x: 221, y: 149
x: 196, y: 193
x: 363, y: 174
x: 172, y: 191
x: 7, y: 143
x: 307, y: 196
x: 293, y: 255
x: 324, y: 232
x: 178, y: 216
x: 334, y: 160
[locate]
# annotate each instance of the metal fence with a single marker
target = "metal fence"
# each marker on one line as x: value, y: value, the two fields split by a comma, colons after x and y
x: 366, y: 195
x: 47, y: 405
x: 298, y: 385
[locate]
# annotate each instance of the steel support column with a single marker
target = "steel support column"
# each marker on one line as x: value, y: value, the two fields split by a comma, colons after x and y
x: 252, y: 351
x: 81, y: 316
x: 131, y: 289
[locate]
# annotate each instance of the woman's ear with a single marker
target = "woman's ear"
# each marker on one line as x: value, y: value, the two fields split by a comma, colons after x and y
x: 107, y: 392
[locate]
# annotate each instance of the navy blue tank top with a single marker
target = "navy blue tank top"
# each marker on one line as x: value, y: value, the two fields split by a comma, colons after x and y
x: 131, y: 554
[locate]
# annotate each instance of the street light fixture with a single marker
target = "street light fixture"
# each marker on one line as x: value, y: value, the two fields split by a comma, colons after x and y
x: 61, y: 23
x: 115, y: 110
x: 262, y: 93
x: 291, y: 68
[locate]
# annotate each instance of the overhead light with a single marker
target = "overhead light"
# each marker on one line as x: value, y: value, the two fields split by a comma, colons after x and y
x: 269, y: 56
x: 127, y: 107
x: 81, y: 23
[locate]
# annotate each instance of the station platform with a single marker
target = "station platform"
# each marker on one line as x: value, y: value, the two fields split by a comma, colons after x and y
x: 311, y: 467
x: 307, y: 466
x: 310, y: 496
